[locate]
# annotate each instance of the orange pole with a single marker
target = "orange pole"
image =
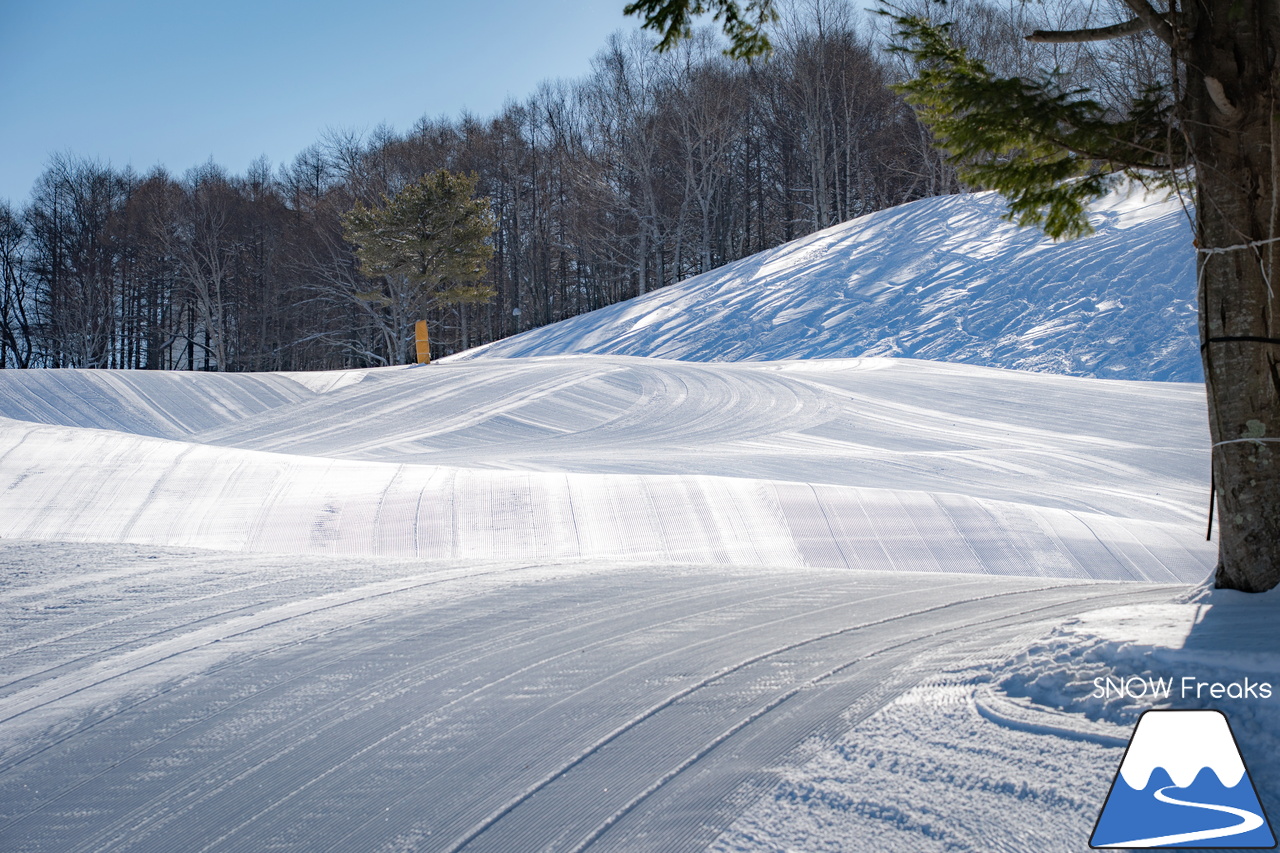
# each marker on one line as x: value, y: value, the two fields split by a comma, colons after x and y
x: 424, y: 344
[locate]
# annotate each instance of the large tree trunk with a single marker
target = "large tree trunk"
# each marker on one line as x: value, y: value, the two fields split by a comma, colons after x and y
x: 1234, y: 129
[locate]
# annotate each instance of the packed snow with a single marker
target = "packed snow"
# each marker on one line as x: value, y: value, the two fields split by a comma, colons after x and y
x: 1019, y: 755
x: 865, y: 464
x: 943, y: 278
x: 160, y: 699
x: 607, y: 602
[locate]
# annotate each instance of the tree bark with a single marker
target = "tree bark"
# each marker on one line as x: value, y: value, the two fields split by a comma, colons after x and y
x: 1234, y: 129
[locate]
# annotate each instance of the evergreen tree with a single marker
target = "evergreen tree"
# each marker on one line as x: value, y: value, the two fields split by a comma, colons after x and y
x: 1051, y: 149
x: 426, y: 246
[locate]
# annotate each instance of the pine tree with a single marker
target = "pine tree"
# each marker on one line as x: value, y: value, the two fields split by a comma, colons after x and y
x: 1049, y: 151
x: 427, y: 246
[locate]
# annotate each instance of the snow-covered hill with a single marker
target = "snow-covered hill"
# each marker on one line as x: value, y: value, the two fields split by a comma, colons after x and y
x: 944, y: 279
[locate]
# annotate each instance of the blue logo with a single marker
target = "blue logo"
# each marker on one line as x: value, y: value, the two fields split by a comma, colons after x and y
x: 1182, y: 783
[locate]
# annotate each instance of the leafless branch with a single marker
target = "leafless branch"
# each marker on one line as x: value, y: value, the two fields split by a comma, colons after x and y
x: 1125, y: 28
x: 1153, y: 19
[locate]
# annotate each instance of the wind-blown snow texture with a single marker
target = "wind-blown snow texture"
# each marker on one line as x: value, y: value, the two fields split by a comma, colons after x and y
x: 944, y: 279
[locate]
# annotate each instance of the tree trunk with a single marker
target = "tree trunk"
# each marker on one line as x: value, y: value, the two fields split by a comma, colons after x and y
x: 1234, y: 131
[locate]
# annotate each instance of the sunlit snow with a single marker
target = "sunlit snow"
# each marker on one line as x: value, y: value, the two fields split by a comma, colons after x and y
x: 744, y: 597
x: 942, y: 278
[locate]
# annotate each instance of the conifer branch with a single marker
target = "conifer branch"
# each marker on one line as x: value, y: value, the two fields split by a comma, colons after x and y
x: 1048, y: 150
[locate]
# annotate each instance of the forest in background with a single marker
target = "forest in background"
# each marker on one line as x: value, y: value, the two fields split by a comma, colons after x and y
x: 653, y: 168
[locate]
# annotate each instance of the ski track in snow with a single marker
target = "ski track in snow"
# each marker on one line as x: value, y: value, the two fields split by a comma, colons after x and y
x: 360, y: 704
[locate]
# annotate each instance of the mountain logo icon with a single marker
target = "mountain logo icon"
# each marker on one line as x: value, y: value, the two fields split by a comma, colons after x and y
x: 1182, y: 783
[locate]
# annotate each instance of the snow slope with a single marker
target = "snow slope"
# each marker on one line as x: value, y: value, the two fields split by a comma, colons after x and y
x: 865, y: 464
x: 590, y: 602
x: 942, y: 278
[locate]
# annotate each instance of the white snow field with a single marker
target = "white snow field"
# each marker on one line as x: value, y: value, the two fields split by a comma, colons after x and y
x: 575, y: 602
x: 943, y: 278
x: 1018, y: 756
x: 716, y: 601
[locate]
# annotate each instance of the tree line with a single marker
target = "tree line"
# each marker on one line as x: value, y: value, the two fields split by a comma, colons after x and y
x: 652, y: 168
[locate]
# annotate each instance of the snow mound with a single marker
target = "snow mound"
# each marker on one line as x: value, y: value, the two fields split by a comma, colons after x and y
x: 943, y: 279
x: 167, y: 404
x: 879, y: 464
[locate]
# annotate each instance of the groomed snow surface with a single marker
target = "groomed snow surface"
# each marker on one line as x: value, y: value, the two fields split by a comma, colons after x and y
x: 598, y: 602
x: 874, y: 464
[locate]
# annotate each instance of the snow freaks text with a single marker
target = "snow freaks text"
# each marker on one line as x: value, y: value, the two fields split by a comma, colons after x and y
x: 1185, y: 687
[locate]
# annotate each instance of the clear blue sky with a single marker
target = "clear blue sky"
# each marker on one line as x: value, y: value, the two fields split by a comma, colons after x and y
x: 147, y: 82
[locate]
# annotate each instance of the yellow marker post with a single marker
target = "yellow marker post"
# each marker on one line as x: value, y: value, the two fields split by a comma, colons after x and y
x: 424, y: 345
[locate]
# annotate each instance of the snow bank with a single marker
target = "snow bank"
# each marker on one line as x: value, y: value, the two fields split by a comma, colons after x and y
x: 169, y: 404
x: 1222, y: 638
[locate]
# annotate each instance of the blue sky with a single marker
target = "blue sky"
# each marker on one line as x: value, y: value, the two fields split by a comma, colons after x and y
x: 147, y: 82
